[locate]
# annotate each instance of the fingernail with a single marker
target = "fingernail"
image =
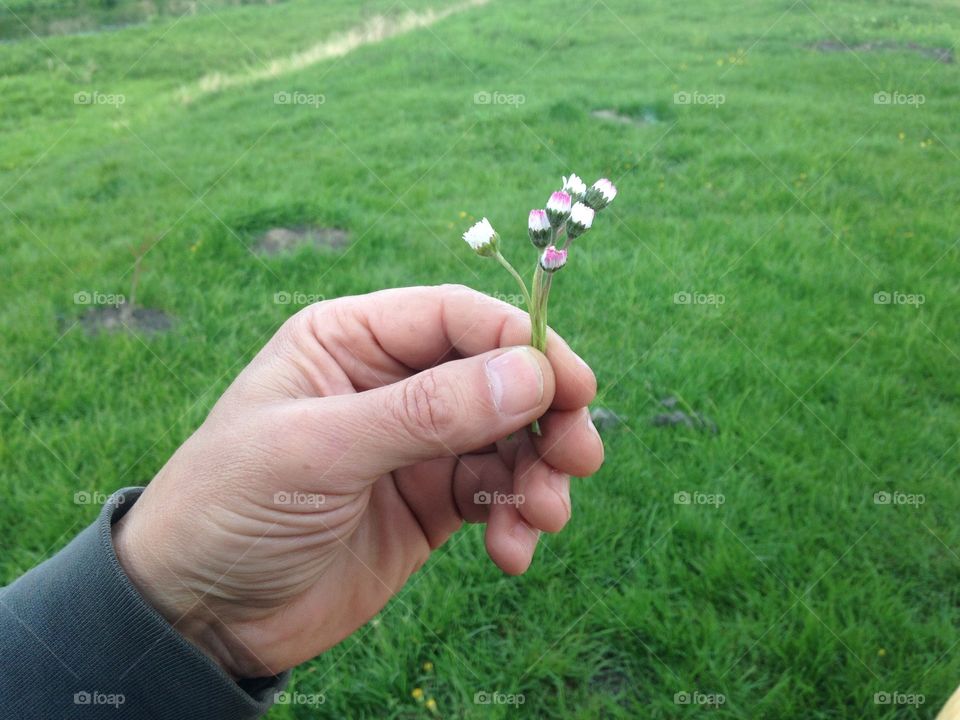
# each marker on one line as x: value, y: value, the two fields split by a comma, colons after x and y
x: 593, y: 429
x: 516, y: 381
x: 589, y: 419
x: 582, y: 361
x: 524, y: 533
x: 560, y: 483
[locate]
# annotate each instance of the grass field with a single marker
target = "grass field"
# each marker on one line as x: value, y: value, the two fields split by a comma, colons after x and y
x: 782, y: 257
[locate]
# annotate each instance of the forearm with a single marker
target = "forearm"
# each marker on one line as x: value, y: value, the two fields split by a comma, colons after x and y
x: 74, y: 631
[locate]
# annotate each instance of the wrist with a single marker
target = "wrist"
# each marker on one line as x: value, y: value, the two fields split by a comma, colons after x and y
x: 185, y: 609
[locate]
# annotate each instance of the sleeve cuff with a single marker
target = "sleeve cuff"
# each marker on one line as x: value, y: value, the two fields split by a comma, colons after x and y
x: 78, y: 622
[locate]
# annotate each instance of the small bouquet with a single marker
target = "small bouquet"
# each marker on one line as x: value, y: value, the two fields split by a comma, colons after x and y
x: 569, y: 214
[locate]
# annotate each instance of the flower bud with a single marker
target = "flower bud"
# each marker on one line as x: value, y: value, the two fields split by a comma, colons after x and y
x: 483, y: 238
x: 601, y: 194
x: 581, y: 219
x: 538, y: 225
x: 553, y: 259
x: 558, y: 209
x: 575, y: 187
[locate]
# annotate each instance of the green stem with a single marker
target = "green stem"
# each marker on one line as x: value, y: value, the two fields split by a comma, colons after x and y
x: 516, y: 276
x: 538, y: 319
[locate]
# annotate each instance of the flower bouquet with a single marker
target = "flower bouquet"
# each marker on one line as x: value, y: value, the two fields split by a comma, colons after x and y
x: 569, y: 214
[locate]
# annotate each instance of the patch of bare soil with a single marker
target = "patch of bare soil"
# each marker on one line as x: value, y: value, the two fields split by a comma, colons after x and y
x: 284, y: 239
x: 604, y: 419
x: 115, y: 318
x: 608, y: 115
x: 940, y: 54
x: 687, y: 418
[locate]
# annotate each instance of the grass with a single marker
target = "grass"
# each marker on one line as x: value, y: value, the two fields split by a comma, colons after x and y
x: 796, y: 200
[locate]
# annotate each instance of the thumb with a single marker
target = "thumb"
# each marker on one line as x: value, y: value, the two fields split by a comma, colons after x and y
x: 446, y: 410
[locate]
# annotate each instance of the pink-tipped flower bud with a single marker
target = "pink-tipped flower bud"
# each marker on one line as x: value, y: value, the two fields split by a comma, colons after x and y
x: 482, y: 238
x: 581, y: 219
x: 601, y: 194
x: 553, y: 259
x: 558, y: 208
x: 538, y: 225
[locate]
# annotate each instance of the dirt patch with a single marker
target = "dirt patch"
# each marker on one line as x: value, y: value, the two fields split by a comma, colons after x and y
x: 608, y: 115
x: 112, y: 319
x: 612, y: 681
x: 940, y: 54
x: 284, y: 239
x: 688, y: 417
x: 604, y: 419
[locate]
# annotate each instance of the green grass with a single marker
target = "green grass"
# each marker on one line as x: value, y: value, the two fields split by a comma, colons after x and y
x: 797, y: 200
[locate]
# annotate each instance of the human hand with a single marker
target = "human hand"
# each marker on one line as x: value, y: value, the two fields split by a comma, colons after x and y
x: 353, y: 445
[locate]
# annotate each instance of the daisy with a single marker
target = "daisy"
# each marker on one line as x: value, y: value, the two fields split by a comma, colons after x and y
x: 553, y: 259
x: 538, y: 225
x: 482, y: 238
x: 581, y: 219
x: 558, y: 208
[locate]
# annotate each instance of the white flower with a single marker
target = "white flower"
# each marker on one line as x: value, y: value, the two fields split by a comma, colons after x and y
x: 538, y: 225
x: 601, y: 194
x: 574, y: 185
x: 607, y: 189
x: 537, y: 221
x: 559, y: 202
x: 482, y: 238
x: 558, y: 209
x: 581, y: 219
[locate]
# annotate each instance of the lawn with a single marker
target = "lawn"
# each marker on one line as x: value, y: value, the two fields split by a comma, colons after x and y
x: 782, y: 260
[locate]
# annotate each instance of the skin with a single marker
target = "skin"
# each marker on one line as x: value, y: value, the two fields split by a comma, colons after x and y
x: 361, y: 437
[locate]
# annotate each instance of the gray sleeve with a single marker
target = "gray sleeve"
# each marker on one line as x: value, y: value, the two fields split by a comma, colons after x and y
x: 77, y: 640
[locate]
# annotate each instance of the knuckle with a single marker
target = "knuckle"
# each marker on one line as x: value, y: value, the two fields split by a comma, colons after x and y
x: 425, y: 410
x: 455, y: 288
x: 312, y: 317
x: 456, y: 291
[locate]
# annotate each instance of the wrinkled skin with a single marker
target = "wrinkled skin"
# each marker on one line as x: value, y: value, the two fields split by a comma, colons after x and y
x: 354, y: 444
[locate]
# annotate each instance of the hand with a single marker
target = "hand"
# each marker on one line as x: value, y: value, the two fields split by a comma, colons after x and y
x: 353, y: 444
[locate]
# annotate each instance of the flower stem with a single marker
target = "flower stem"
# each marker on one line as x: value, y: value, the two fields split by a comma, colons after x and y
x: 538, y: 336
x: 538, y: 319
x: 516, y: 276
